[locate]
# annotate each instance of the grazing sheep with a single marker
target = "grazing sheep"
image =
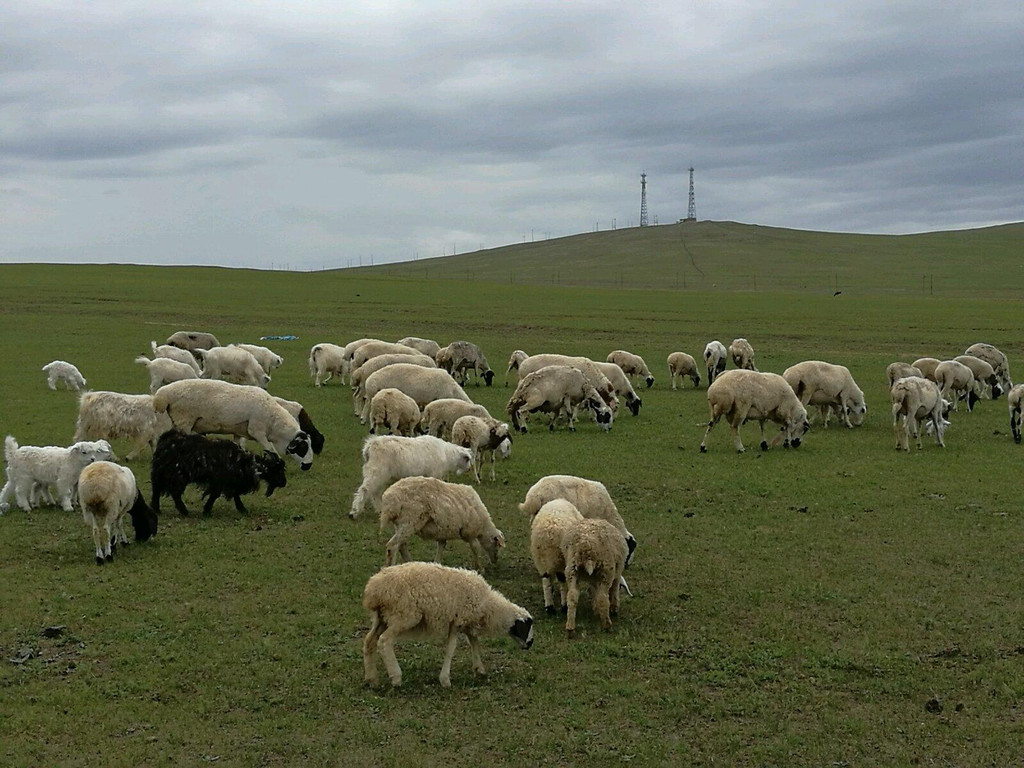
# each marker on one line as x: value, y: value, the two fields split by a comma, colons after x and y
x: 428, y: 347
x: 233, y: 364
x: 927, y: 366
x: 681, y: 364
x: 739, y: 395
x: 306, y: 424
x: 163, y: 370
x: 896, y: 371
x: 621, y: 386
x: 394, y: 409
x: 59, y: 370
x: 994, y: 357
x: 267, y: 358
x: 440, y: 415
x: 31, y: 468
x: 325, y: 360
x: 558, y: 390
x: 373, y: 349
x: 192, y: 340
x: 113, y: 415
x: 514, y: 361
x: 915, y: 400
x: 742, y: 354
x: 1015, y: 401
x: 347, y: 353
x: 215, y: 407
x: 984, y: 375
x: 594, y: 375
x: 595, y: 555
x: 956, y: 382
x: 437, y: 511
x: 715, y: 355
x: 176, y: 353
x: 107, y: 493
x: 424, y: 385
x: 391, y: 457
x: 590, y: 498
x: 220, y: 467
x: 460, y: 357
x: 548, y: 528
x: 482, y: 435
x: 828, y: 386
x: 632, y: 365
x: 421, y: 600
x: 359, y: 375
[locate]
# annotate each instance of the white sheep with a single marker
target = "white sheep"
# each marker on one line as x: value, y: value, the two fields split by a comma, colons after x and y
x: 395, y: 410
x: 740, y: 394
x: 36, y: 469
x: 915, y: 400
x: 984, y: 375
x: 594, y: 374
x: 208, y: 406
x: 60, y: 370
x: 107, y: 493
x: 590, y: 497
x: 621, y: 386
x: 715, y: 356
x: 742, y: 354
x: 357, y: 378
x: 424, y: 385
x: 558, y: 390
x: 898, y: 370
x: 325, y: 360
x: 267, y: 358
x: 956, y: 382
x: 420, y: 600
x: 348, y: 352
x: 632, y: 365
x: 437, y: 511
x: 994, y: 357
x: 233, y: 364
x: 192, y: 340
x: 681, y: 364
x: 372, y: 349
x: 176, y: 353
x: 927, y: 366
x: 440, y: 415
x: 428, y: 347
x: 461, y: 357
x: 482, y: 435
x: 163, y: 370
x: 389, y: 458
x: 595, y: 556
x: 514, y: 361
x: 828, y: 386
x: 114, y: 415
x: 547, y: 529
x: 1015, y: 402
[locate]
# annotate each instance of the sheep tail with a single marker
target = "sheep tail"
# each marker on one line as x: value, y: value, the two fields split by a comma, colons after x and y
x: 142, y: 360
x: 152, y: 346
x: 590, y: 566
x: 10, y: 446
x: 366, y: 447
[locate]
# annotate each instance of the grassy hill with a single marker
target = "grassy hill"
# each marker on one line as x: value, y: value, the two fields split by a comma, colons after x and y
x: 725, y: 255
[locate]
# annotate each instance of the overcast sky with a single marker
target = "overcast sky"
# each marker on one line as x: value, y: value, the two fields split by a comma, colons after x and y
x: 316, y: 134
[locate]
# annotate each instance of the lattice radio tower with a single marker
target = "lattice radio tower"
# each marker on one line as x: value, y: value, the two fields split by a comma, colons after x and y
x: 691, y: 209
x: 643, y: 199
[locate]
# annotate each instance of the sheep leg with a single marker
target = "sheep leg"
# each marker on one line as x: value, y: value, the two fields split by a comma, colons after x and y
x: 613, y: 594
x: 735, y: 423
x: 474, y: 548
x: 441, y: 544
x: 601, y: 605
x: 1014, y: 430
x: 474, y: 650
x: 97, y: 539
x: 396, y: 544
x: 572, y: 599
x: 492, y: 466
x: 476, y: 467
x: 119, y: 532
x: 386, y: 648
x: 178, y: 503
x: 370, y: 649
x: 449, y: 652
x: 8, y: 490
x: 549, y: 602
x: 714, y: 420
x: 211, y: 496
x: 240, y: 506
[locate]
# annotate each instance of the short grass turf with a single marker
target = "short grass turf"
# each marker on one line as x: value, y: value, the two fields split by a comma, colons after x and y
x: 839, y: 604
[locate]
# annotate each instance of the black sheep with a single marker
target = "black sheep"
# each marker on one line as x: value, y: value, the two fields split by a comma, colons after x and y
x: 220, y: 467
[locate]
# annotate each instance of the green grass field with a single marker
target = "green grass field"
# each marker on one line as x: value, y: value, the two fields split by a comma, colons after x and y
x: 840, y: 604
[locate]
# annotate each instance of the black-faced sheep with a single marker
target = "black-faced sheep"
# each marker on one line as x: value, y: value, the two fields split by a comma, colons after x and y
x: 715, y: 356
x: 916, y: 400
x: 60, y: 370
x: 595, y: 556
x: 984, y: 375
x: 33, y: 468
x: 557, y: 390
x: 461, y: 357
x: 106, y: 494
x: 956, y: 382
x: 421, y: 600
x: 437, y: 511
x: 482, y: 435
x: 994, y: 357
x: 395, y: 410
x: 830, y: 387
x: 681, y: 364
x: 219, y: 467
x: 113, y: 415
x: 739, y: 395
x: 621, y: 386
x: 389, y: 458
x: 632, y: 365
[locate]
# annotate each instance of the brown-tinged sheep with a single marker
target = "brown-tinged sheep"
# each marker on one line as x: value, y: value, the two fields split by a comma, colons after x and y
x: 192, y: 340
x: 359, y: 375
x: 739, y: 395
x: 896, y: 371
x: 595, y: 556
x: 632, y: 365
x: 440, y: 415
x: 742, y: 354
x: 375, y: 348
x: 830, y: 387
x: 594, y: 374
x: 113, y: 415
x: 428, y: 347
x: 395, y: 410
x: 927, y: 366
x: 514, y: 361
x: 681, y: 364
x: 482, y: 435
x: 107, y: 493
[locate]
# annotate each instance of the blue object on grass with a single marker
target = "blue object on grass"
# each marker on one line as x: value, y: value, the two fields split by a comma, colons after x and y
x: 278, y: 338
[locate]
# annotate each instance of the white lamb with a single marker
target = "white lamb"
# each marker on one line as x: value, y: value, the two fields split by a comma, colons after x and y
x: 632, y: 365
x: 715, y: 356
x: 233, y: 364
x: 389, y: 458
x: 437, y: 511
x: 830, y: 387
x: 32, y: 469
x: 482, y: 435
x: 1015, y: 401
x: 395, y: 410
x: 421, y: 600
x: 325, y: 360
x: 163, y: 370
x: 267, y: 358
x: 113, y: 415
x: 107, y: 493
x: 440, y: 415
x: 916, y: 400
x: 59, y: 370
x: 176, y: 353
x: 681, y: 364
x: 739, y: 395
x: 548, y: 528
x: 595, y: 556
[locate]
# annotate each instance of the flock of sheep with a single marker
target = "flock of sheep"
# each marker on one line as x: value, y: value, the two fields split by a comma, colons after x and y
x: 413, y: 389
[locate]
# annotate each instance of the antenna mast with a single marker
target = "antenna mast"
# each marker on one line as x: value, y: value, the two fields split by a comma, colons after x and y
x: 643, y: 199
x: 691, y: 209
